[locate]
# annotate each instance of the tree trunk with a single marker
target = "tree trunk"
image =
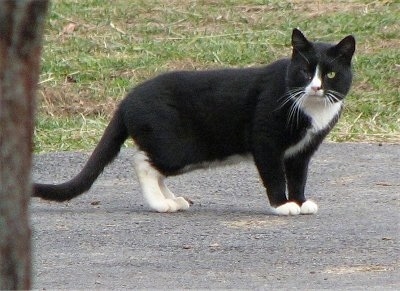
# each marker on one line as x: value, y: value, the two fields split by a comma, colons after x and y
x: 21, y: 30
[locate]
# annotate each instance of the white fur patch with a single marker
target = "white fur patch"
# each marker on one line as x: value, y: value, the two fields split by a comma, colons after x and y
x: 309, y: 207
x: 289, y: 208
x: 320, y: 112
x: 155, y: 192
x: 291, y: 151
x: 315, y: 83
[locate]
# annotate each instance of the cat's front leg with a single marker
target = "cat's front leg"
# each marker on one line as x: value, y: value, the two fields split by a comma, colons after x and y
x: 296, y: 170
x: 271, y: 170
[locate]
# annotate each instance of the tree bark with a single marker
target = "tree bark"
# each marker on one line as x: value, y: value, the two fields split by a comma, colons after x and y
x: 21, y: 30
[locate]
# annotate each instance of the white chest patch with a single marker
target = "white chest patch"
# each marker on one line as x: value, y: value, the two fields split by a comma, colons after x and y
x: 321, y: 116
x: 300, y: 145
x: 321, y: 112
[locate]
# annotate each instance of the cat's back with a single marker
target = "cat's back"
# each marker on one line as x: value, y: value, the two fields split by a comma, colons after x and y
x: 192, y: 91
x: 236, y: 77
x: 227, y: 83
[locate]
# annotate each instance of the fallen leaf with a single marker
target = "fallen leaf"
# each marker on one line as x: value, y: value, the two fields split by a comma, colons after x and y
x: 214, y: 245
x: 383, y: 184
x: 69, y: 28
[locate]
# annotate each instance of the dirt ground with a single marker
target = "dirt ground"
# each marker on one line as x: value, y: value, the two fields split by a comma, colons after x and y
x: 108, y: 238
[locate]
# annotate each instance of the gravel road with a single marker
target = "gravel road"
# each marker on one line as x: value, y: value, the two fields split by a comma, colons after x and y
x: 108, y: 239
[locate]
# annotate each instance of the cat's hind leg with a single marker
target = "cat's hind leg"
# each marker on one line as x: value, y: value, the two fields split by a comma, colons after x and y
x: 149, y: 179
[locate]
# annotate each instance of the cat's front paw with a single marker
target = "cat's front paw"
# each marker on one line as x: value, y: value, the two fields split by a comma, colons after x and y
x: 309, y: 207
x: 289, y: 208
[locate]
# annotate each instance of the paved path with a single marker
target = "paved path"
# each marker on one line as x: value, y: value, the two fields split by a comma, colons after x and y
x: 107, y: 238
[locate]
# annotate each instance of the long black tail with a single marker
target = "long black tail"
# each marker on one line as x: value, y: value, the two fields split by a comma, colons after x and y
x: 107, y: 149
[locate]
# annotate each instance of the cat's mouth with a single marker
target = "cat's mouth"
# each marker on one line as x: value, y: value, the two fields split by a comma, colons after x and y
x: 314, y: 91
x: 325, y: 96
x: 316, y: 94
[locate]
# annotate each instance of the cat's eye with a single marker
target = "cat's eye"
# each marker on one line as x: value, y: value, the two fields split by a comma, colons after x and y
x: 331, y: 75
x: 306, y: 73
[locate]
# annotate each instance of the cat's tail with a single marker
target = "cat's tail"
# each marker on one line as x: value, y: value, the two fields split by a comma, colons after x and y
x: 107, y: 149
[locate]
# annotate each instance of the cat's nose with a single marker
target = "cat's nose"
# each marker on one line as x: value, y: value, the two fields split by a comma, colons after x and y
x: 315, y: 88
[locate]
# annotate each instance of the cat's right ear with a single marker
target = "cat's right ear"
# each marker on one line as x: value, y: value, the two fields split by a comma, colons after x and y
x: 299, y: 41
x: 346, y: 47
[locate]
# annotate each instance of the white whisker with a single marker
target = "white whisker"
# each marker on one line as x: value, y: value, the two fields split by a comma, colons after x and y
x: 296, y: 108
x: 334, y: 96
x: 291, y: 95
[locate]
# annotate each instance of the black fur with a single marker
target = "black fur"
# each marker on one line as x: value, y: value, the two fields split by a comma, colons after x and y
x: 186, y: 118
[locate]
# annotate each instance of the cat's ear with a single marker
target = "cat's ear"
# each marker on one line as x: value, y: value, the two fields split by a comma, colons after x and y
x: 346, y: 47
x: 299, y: 41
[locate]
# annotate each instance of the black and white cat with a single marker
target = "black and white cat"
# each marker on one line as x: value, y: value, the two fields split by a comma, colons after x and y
x: 278, y: 114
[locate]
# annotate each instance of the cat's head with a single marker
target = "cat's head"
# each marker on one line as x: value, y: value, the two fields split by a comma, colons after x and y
x: 320, y: 71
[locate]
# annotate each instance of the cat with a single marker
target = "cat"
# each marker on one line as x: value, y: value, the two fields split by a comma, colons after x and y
x: 278, y: 114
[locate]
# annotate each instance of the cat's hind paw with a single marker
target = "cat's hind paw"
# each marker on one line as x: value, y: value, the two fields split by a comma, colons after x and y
x: 170, y: 205
x: 309, y: 207
x: 182, y: 203
x: 289, y: 208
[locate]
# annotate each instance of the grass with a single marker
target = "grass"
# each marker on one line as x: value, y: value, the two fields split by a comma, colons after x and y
x: 95, y: 51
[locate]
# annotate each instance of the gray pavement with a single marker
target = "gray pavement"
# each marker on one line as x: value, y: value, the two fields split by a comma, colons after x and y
x: 108, y: 239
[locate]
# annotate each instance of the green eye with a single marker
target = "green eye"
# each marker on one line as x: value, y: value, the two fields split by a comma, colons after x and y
x: 331, y: 75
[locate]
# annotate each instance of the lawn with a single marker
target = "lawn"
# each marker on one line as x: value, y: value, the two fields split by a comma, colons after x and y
x: 95, y: 51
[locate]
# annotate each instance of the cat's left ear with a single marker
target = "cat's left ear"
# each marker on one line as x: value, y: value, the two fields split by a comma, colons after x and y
x: 346, y: 47
x: 299, y: 41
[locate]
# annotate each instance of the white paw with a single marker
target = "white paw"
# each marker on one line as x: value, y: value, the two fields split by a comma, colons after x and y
x: 289, y: 208
x: 309, y: 207
x: 170, y: 205
x: 182, y: 202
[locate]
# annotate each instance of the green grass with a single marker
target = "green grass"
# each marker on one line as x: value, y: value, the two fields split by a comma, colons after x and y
x: 95, y: 51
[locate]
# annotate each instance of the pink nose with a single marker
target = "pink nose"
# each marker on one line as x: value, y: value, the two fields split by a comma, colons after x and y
x: 316, y: 88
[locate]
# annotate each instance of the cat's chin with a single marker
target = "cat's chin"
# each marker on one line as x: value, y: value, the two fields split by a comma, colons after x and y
x: 316, y: 99
x: 292, y: 208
